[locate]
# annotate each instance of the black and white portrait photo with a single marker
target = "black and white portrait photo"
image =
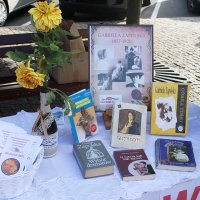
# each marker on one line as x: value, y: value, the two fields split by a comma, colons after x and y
x: 104, y: 81
x: 135, y: 79
x: 133, y: 57
x: 118, y: 72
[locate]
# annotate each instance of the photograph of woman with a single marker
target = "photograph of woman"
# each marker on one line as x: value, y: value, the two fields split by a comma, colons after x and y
x: 135, y: 79
x: 133, y: 57
x: 137, y: 63
x: 140, y: 168
x: 104, y: 81
x: 118, y: 72
x: 129, y: 122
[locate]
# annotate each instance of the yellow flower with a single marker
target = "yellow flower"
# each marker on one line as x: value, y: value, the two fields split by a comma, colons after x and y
x: 28, y: 78
x: 46, y: 16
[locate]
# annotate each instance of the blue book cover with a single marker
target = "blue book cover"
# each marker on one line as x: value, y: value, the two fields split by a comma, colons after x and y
x: 84, y: 122
x: 174, y: 155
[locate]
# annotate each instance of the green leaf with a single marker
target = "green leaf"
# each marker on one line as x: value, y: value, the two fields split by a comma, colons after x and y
x: 41, y: 44
x: 17, y: 56
x: 56, y: 58
x: 63, y: 32
x: 67, y: 111
x: 69, y: 106
x: 71, y: 103
x: 54, y: 47
x: 50, y: 98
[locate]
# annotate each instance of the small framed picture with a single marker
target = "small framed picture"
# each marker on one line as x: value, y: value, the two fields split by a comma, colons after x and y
x: 129, y: 125
x: 121, y: 60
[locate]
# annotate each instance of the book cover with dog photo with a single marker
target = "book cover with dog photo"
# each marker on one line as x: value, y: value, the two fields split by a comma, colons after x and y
x: 84, y: 122
x: 169, y: 113
x: 121, y: 60
x: 129, y: 125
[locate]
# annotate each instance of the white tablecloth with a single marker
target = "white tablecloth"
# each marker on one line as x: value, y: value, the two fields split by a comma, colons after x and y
x: 60, y: 177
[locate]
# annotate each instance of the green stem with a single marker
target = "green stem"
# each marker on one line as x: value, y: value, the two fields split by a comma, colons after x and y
x: 62, y: 94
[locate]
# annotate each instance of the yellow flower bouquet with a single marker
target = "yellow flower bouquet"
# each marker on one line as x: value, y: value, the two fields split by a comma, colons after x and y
x: 33, y: 69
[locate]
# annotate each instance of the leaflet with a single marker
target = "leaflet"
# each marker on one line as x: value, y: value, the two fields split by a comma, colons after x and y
x: 18, y: 152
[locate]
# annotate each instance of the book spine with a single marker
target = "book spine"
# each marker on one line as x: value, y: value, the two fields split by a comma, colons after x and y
x: 117, y: 161
x: 157, y: 153
x: 73, y: 130
x: 182, y: 102
x: 79, y: 161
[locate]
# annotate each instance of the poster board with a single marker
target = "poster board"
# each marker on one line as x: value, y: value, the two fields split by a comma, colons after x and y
x: 121, y: 60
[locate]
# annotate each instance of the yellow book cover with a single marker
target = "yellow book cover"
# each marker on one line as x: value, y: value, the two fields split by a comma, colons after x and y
x: 169, y: 109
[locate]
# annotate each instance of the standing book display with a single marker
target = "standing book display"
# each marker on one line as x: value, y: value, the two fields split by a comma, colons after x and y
x: 84, y: 122
x: 121, y: 59
x: 169, y: 115
x: 129, y: 125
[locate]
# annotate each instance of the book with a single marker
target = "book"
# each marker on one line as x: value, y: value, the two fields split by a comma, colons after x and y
x: 129, y: 125
x: 134, y: 165
x: 174, y: 155
x: 169, y: 113
x: 84, y: 122
x: 93, y: 159
x: 121, y: 63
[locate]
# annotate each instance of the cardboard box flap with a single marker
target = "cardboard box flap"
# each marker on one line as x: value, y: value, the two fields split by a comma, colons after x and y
x: 71, y: 27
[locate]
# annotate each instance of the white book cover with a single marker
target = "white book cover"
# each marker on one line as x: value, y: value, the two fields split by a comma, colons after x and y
x: 129, y: 125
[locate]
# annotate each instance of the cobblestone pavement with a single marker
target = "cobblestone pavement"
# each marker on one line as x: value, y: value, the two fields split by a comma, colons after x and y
x: 176, y: 44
